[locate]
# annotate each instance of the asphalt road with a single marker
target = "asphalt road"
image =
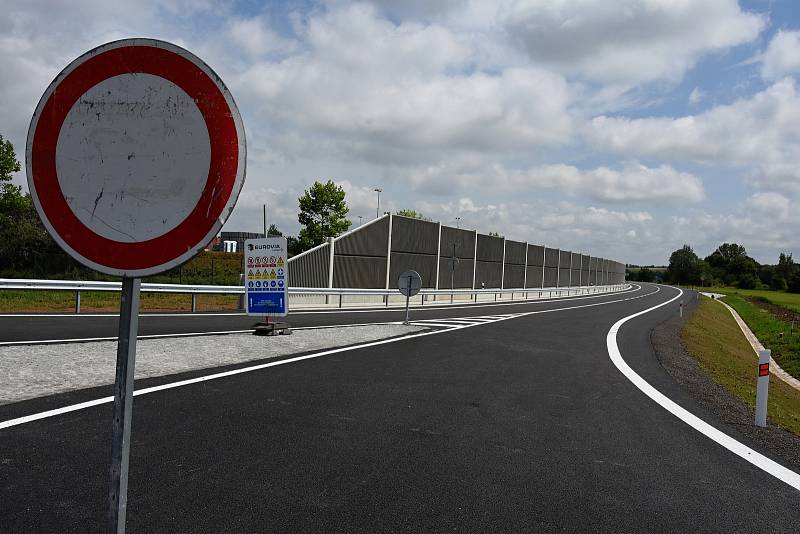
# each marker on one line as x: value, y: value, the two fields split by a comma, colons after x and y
x: 521, y: 425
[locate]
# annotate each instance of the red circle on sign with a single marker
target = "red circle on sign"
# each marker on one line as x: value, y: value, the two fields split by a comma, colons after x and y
x: 223, y: 182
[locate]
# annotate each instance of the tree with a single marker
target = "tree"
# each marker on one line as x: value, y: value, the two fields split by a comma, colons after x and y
x: 494, y: 234
x: 786, y: 267
x: 11, y: 197
x: 273, y: 231
x: 412, y: 214
x: 794, y: 283
x: 323, y: 213
x: 684, y: 266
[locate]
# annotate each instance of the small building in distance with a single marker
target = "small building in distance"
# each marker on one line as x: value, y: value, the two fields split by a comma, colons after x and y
x: 218, y: 244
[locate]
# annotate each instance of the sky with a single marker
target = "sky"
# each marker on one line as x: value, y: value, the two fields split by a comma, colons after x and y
x: 620, y: 129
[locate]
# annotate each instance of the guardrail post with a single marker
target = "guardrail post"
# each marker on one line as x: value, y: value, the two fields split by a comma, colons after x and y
x: 78, y: 301
x: 340, y: 300
x: 762, y: 386
x: 194, y: 302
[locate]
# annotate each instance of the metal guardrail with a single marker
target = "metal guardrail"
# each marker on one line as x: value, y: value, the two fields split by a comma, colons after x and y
x: 194, y: 290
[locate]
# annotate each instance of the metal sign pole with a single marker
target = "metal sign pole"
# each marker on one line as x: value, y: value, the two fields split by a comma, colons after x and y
x: 408, y: 297
x: 123, y: 405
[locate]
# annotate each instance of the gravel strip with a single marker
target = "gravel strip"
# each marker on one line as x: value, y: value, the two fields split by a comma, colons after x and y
x: 713, y: 397
x: 30, y: 371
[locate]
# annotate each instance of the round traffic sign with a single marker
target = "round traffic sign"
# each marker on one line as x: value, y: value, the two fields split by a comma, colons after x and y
x: 135, y: 157
x: 409, y: 283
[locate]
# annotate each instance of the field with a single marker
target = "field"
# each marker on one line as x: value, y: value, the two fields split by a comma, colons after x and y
x: 716, y: 342
x: 779, y: 298
x: 19, y: 301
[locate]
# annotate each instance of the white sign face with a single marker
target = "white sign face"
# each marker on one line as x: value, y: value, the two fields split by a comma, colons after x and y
x: 136, y: 155
x: 266, y: 276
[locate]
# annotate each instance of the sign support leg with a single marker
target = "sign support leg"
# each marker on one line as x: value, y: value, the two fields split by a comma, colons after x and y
x: 123, y: 405
x: 407, y: 299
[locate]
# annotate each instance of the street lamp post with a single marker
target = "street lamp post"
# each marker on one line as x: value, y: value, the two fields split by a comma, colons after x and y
x: 458, y: 222
x: 378, y: 210
x: 359, y: 219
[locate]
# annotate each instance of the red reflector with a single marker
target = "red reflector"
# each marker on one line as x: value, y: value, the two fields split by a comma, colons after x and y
x: 763, y: 369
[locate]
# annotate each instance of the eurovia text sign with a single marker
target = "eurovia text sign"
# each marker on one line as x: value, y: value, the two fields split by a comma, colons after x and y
x: 135, y: 157
x: 266, y: 276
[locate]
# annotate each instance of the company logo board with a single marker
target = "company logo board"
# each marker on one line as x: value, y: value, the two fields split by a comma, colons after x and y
x: 267, y: 260
x: 135, y: 157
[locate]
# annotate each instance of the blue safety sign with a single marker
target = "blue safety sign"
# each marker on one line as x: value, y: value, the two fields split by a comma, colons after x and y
x: 266, y: 268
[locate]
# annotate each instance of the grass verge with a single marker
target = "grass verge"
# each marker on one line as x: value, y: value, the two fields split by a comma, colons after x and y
x: 714, y: 339
x: 26, y: 301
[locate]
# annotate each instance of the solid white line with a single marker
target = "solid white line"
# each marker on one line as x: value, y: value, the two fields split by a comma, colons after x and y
x: 177, y: 335
x: 171, y: 385
x: 736, y: 447
x: 417, y: 323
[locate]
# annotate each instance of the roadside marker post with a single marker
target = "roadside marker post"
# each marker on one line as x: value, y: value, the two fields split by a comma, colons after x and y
x: 135, y: 158
x: 762, y: 387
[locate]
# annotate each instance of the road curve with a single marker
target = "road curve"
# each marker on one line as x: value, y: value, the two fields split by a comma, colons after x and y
x: 523, y: 424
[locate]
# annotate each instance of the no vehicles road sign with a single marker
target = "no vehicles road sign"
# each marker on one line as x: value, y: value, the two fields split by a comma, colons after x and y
x: 266, y: 276
x: 135, y: 157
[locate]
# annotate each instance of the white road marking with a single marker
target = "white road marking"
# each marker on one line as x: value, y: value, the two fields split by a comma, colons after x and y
x: 736, y: 447
x: 88, y: 404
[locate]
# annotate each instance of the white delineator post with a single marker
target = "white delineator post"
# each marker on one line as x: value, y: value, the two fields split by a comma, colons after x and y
x: 762, y: 387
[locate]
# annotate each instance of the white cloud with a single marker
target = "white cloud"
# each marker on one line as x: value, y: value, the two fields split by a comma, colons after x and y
x: 631, y: 183
x: 628, y: 40
x: 782, y: 56
x: 758, y: 132
x: 696, y: 96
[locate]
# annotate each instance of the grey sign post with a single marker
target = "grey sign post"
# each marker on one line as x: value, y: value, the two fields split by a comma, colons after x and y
x: 409, y: 283
x: 452, y: 263
x: 167, y: 181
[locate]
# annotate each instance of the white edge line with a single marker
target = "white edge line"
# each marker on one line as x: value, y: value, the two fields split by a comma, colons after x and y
x: 96, y: 402
x: 757, y: 459
x: 177, y: 335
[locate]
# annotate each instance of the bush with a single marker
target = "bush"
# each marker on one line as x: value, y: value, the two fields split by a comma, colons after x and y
x: 748, y: 281
x: 778, y: 283
x: 794, y: 284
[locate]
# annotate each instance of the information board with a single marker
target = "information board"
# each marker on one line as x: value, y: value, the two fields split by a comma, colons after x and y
x: 266, y: 276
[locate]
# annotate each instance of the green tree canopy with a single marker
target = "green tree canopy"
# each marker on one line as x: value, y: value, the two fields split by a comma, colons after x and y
x: 412, y: 213
x: 11, y: 197
x: 273, y: 231
x: 323, y: 214
x: 684, y: 266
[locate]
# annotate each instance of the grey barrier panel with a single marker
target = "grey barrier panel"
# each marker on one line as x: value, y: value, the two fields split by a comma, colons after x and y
x: 584, y: 269
x: 550, y: 258
x: 424, y: 264
x: 414, y: 236
x: 515, y: 276
x: 593, y: 271
x: 535, y: 257
x: 550, y: 276
x: 310, y: 270
x: 576, y: 261
x: 490, y: 248
x: 534, y: 276
x: 359, y: 271
x: 515, y: 253
x: 576, y: 277
x: 563, y: 277
x: 565, y: 256
x: 465, y: 246
x: 372, y: 240
x: 605, y: 272
x: 487, y: 274
x: 462, y: 277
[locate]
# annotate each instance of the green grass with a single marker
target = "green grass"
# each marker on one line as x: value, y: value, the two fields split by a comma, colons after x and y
x: 19, y: 301
x: 714, y: 339
x: 790, y: 301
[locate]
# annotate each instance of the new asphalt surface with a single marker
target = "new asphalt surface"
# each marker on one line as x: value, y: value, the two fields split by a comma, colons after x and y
x: 518, y: 425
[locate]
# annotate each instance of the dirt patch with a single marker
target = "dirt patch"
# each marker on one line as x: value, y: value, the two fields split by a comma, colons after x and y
x: 712, y: 397
x: 784, y: 314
